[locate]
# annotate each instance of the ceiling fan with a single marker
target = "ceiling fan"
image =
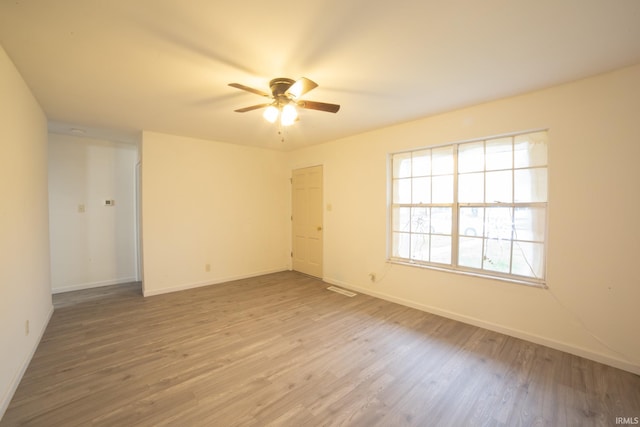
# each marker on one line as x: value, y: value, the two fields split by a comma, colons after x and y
x: 284, y: 98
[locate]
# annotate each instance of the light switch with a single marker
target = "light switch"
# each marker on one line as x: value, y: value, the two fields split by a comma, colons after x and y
x: 81, y: 208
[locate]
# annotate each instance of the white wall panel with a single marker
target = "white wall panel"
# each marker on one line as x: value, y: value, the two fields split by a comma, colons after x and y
x: 25, y: 289
x: 210, y: 203
x: 95, y: 247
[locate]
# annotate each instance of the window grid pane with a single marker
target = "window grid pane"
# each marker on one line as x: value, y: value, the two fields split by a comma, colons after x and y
x: 500, y: 206
x: 421, y: 163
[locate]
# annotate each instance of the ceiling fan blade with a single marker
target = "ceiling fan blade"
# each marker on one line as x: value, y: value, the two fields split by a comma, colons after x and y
x: 300, y: 87
x: 250, y: 89
x: 253, y: 107
x: 322, y: 106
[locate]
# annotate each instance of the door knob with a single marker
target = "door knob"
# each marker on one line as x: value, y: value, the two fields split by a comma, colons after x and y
x: 319, y: 228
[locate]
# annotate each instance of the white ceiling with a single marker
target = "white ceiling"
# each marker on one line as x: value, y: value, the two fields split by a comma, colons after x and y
x: 121, y: 66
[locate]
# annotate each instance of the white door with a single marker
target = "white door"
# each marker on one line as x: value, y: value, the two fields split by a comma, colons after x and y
x: 307, y: 220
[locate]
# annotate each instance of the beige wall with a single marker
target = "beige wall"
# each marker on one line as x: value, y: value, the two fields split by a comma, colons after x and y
x: 591, y: 306
x: 25, y: 290
x: 213, y: 203
x: 96, y: 247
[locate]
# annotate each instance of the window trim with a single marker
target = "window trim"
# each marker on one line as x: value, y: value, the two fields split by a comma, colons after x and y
x: 454, y: 267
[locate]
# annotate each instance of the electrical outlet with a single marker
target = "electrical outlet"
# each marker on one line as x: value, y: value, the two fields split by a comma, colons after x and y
x: 207, y: 267
x: 26, y: 327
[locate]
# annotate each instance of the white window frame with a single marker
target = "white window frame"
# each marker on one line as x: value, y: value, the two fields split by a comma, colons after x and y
x: 456, y: 206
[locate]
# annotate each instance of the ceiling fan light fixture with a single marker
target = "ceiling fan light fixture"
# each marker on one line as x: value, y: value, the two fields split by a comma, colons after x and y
x: 271, y: 114
x: 289, y: 115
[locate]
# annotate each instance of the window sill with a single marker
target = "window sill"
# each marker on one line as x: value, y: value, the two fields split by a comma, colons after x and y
x: 517, y: 281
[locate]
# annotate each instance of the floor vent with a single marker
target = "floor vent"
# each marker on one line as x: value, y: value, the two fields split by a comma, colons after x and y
x: 341, y: 291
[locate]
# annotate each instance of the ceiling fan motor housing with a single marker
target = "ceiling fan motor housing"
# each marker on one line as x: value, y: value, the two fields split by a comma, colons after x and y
x: 278, y: 88
x: 280, y: 85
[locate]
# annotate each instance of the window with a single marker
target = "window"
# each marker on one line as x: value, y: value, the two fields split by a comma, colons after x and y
x: 477, y: 207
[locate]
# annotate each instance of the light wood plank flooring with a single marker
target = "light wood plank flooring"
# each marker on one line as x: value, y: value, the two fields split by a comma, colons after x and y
x: 282, y: 350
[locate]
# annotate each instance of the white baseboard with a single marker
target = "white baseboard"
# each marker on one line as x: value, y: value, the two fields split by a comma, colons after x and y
x: 80, y: 286
x: 183, y: 287
x: 578, y: 351
x: 13, y: 386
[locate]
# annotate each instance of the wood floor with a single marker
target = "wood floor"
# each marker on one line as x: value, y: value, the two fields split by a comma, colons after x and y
x: 281, y: 350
